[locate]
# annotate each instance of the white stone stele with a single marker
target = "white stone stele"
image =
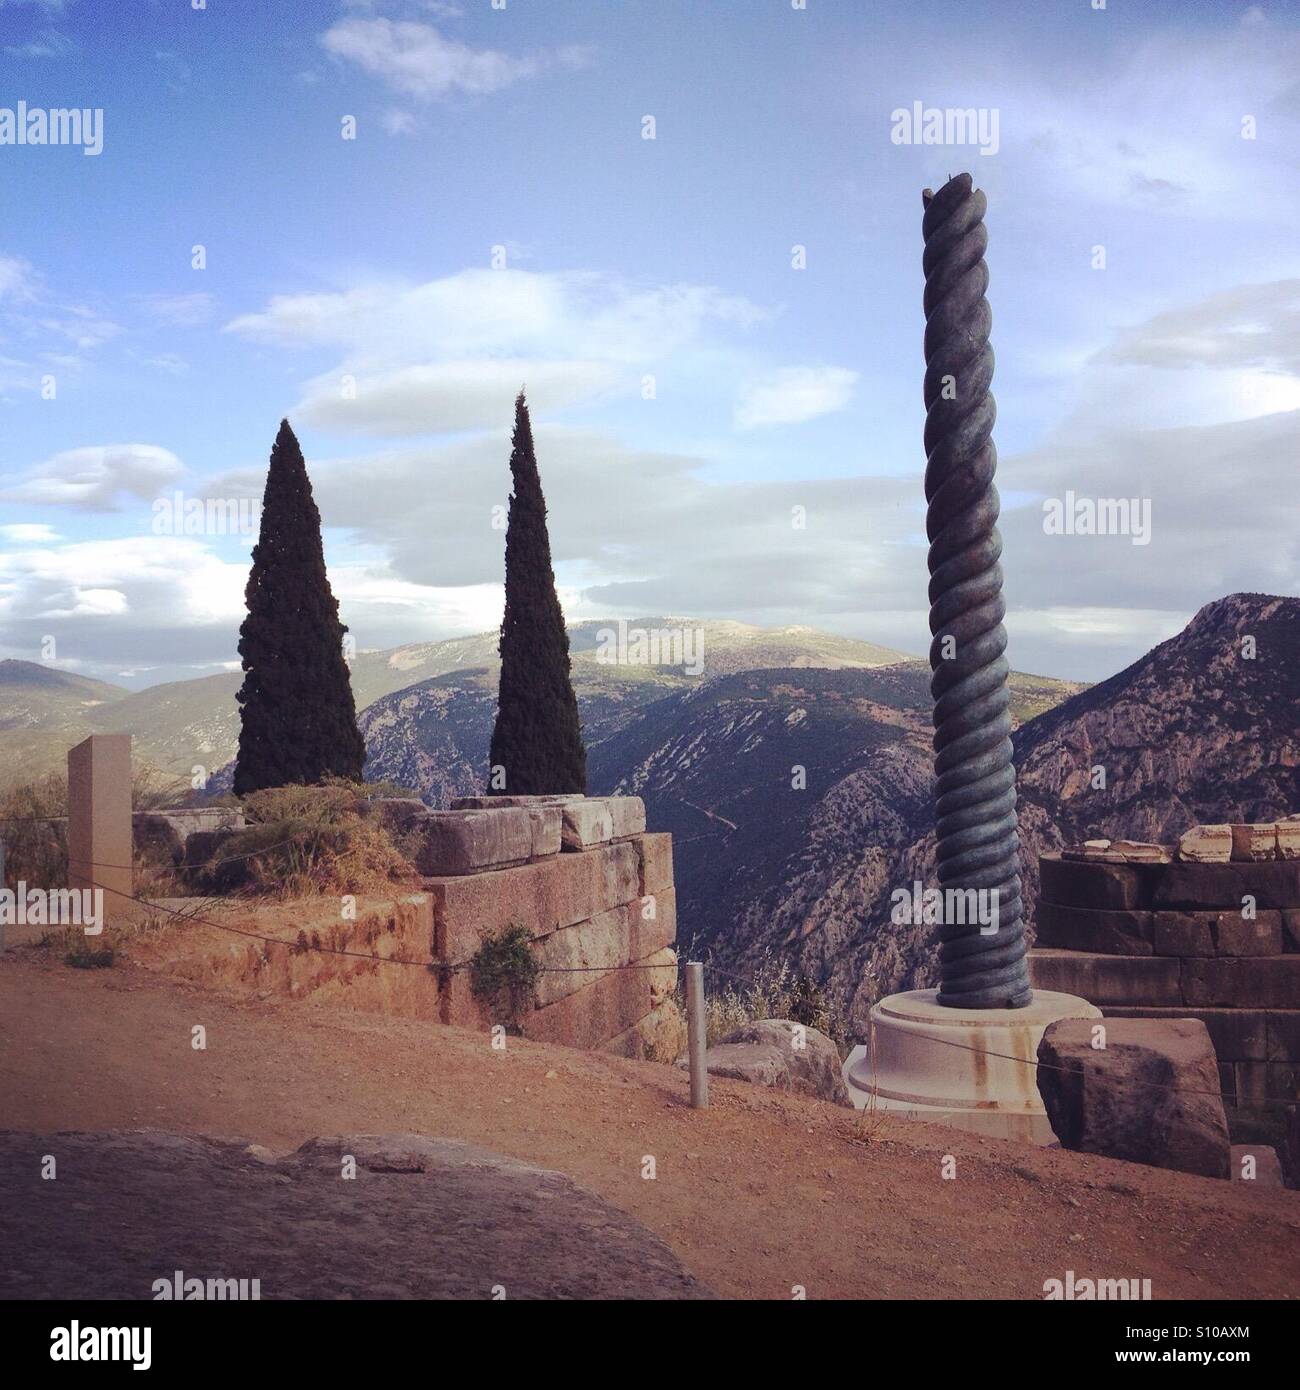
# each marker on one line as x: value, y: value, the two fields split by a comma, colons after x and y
x: 916, y: 1073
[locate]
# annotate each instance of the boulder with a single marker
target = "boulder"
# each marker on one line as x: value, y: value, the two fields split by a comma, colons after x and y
x: 1258, y: 1164
x: 1150, y: 1095
x: 780, y: 1053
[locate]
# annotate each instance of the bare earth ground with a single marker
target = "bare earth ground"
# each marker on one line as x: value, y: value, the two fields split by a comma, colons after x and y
x: 759, y: 1194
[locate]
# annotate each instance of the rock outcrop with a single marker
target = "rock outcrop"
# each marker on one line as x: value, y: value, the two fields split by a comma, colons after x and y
x: 782, y: 1054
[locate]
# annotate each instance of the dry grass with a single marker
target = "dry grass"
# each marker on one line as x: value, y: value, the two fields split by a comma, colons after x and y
x: 772, y: 989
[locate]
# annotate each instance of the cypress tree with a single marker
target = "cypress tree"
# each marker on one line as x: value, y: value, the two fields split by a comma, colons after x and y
x: 537, y: 740
x: 298, y: 719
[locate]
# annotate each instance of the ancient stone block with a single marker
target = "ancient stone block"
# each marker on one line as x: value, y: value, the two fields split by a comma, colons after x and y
x: 654, y: 862
x: 1252, y: 843
x: 1274, y: 884
x: 609, y: 1006
x: 627, y: 814
x: 1140, y: 852
x: 546, y: 822
x: 779, y: 1053
x: 1235, y: 935
x: 658, y: 1037
x: 1110, y: 931
x: 1257, y: 1164
x: 1077, y: 883
x: 545, y: 896
x: 1206, y: 844
x: 1151, y: 1095
x: 1288, y: 839
x: 1268, y: 982
x: 1291, y: 929
x: 1104, y: 980
x: 99, y: 821
x: 1238, y: 1035
x: 1181, y: 934
x: 1283, y: 1035
x: 587, y: 823
x: 488, y: 803
x: 468, y: 842
x: 572, y: 957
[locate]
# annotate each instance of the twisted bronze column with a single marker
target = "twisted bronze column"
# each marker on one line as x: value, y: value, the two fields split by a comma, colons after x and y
x: 978, y: 839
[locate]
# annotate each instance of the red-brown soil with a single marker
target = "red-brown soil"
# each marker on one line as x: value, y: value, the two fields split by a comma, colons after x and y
x: 759, y: 1194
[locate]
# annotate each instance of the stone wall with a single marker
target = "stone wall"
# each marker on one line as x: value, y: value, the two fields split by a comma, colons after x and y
x: 1171, y: 937
x: 595, y: 893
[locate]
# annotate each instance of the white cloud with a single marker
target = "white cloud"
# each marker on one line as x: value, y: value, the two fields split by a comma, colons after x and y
x: 416, y: 60
x: 95, y: 477
x: 793, y: 394
x: 450, y: 354
x: 183, y: 310
x: 28, y: 533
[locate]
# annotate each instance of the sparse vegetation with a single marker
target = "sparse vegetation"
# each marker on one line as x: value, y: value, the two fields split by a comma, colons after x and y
x: 306, y: 840
x: 503, y: 971
x: 772, y: 990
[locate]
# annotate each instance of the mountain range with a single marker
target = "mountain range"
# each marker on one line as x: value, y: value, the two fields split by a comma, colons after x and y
x: 795, y: 771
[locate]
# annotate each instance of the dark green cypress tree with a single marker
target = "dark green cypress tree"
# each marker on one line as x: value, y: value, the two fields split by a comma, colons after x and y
x: 537, y: 740
x: 298, y: 719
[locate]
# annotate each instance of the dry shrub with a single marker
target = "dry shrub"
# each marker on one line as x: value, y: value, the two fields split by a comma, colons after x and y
x: 304, y: 840
x: 772, y: 989
x: 36, y: 849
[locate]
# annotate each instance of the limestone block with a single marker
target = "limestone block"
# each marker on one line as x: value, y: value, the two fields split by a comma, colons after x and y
x: 1149, y: 1096
x: 609, y: 1006
x: 1140, y: 852
x: 488, y: 803
x: 655, y: 863
x: 1182, y: 934
x: 1283, y: 1035
x: 1291, y: 929
x: 587, y: 823
x: 546, y: 822
x: 545, y: 896
x: 572, y: 957
x: 627, y: 814
x: 1253, y: 843
x: 1257, y: 1164
x: 658, y: 1037
x: 468, y: 842
x: 1110, y: 931
x: 1238, y: 1035
x: 1288, y: 839
x: 1274, y: 884
x: 1270, y: 982
x: 1206, y: 844
x: 1079, y: 883
x: 1104, y: 980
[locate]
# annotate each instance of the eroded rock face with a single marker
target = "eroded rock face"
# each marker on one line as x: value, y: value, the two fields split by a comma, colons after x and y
x: 423, y: 1218
x: 779, y: 1053
x: 1150, y: 1095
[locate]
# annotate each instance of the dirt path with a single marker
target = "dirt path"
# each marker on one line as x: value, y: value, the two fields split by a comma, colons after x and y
x: 757, y: 1195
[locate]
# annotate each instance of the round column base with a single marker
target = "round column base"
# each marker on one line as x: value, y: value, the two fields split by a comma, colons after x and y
x: 973, y: 1068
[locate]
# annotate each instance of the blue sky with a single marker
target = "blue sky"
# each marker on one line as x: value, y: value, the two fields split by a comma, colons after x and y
x: 1171, y: 375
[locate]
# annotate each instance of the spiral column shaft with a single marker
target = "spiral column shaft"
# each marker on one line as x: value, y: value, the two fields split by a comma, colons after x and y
x: 975, y: 809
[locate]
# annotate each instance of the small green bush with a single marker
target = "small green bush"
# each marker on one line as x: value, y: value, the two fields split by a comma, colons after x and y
x: 503, y: 971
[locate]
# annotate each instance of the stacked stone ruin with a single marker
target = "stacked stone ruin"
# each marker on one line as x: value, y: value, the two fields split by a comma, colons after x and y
x: 1207, y: 929
x: 593, y: 889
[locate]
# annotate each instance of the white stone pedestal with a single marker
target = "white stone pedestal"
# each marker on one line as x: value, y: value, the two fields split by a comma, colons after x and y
x: 912, y: 1068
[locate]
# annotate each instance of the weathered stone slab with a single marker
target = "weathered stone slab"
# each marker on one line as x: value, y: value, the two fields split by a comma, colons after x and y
x: 572, y: 957
x: 545, y: 896
x: 587, y: 823
x: 1104, y: 980
x: 1151, y: 1095
x: 546, y: 822
x: 612, y: 1004
x: 1079, y: 883
x: 1238, y: 1035
x: 1181, y: 934
x: 627, y: 814
x: 658, y: 1037
x: 1253, y: 843
x: 1206, y: 844
x: 1274, y: 884
x: 1257, y: 1164
x: 468, y: 842
x: 1291, y: 929
x: 1283, y: 1035
x: 1109, y: 931
x: 1288, y: 838
x: 655, y: 862
x: 1269, y: 982
x: 1140, y: 852
x: 489, y: 803
x: 1235, y: 935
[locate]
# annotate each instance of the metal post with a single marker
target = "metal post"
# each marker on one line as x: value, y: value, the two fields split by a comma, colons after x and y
x: 696, y: 1035
x: 978, y: 839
